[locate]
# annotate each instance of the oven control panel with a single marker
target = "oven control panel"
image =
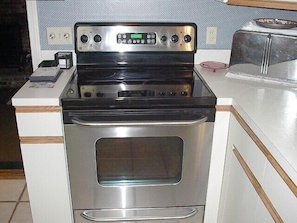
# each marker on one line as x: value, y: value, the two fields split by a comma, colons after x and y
x: 135, y: 37
x: 135, y: 91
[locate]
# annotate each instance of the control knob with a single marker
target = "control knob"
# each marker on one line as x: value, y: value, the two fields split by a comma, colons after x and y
x: 163, y: 38
x: 187, y: 38
x: 174, y: 38
x: 87, y: 94
x: 97, y: 38
x: 183, y: 93
x: 84, y: 38
x: 99, y: 94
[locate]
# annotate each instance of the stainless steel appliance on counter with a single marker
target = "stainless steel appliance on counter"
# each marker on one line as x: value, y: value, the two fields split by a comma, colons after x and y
x: 138, y: 124
x: 263, y: 54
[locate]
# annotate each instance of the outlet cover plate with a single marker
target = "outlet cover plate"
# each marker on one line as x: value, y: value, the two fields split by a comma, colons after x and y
x: 59, y: 35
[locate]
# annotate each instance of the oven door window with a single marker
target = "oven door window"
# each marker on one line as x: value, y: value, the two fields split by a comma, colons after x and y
x: 139, y: 160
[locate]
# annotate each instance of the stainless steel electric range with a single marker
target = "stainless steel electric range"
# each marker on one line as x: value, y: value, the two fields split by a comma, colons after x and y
x: 138, y: 124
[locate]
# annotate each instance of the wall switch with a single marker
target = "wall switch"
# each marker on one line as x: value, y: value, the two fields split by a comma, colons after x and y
x: 211, y: 35
x: 59, y: 35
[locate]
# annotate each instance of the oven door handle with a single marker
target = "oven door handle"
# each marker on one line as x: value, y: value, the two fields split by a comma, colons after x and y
x: 140, y: 214
x: 79, y: 121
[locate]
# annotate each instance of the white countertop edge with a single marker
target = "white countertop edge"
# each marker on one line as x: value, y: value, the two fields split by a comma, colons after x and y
x: 35, y: 102
x: 225, y: 101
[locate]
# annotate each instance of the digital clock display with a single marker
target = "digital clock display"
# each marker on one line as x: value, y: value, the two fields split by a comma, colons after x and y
x: 136, y: 93
x: 136, y: 36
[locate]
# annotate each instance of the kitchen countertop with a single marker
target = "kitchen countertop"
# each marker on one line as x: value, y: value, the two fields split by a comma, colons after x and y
x: 44, y: 95
x: 269, y: 109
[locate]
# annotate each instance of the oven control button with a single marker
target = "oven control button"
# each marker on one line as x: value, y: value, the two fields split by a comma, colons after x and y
x: 84, y: 38
x: 174, y: 38
x: 187, y: 38
x: 99, y: 94
x: 97, y: 38
x: 163, y: 38
x: 172, y: 93
x: 162, y: 93
x: 87, y: 94
x: 183, y: 93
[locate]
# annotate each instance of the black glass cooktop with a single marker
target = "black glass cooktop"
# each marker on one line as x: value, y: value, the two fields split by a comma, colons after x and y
x: 157, y: 88
x: 126, y: 94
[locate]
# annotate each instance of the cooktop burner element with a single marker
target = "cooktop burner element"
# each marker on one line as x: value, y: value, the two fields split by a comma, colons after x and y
x: 112, y: 83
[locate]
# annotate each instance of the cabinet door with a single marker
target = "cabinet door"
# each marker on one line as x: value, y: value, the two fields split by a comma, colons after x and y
x: 241, y: 198
x: 47, y: 182
x: 280, y: 195
x: 240, y: 201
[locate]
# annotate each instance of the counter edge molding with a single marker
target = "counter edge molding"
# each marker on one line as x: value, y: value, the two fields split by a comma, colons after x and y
x: 41, y: 140
x: 37, y: 109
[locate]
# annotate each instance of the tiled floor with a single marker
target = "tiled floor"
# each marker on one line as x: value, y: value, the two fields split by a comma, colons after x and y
x: 14, y: 201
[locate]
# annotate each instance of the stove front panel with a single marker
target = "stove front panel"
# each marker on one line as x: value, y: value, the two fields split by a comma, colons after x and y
x: 135, y: 37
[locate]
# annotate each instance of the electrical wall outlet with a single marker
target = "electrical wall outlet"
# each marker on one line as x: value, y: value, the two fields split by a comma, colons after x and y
x: 59, y: 35
x: 211, y: 35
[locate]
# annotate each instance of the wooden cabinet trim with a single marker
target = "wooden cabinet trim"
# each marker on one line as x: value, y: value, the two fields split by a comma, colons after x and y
x: 257, y: 186
x: 37, y: 109
x: 265, y: 151
x: 42, y: 140
x: 265, y: 4
x: 222, y: 108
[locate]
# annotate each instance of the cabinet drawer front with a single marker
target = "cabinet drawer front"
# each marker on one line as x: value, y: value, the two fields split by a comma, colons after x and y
x: 47, y: 182
x: 250, y: 152
x: 39, y: 124
x: 240, y: 197
x: 280, y: 194
x: 258, y: 188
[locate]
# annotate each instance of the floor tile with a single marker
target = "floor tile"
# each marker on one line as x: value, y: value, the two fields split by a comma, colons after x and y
x: 6, y: 210
x: 25, y: 196
x: 22, y: 214
x: 10, y: 190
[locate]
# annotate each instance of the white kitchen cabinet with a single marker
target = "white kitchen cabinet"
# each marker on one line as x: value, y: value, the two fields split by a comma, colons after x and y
x: 47, y: 182
x: 42, y: 145
x: 240, y: 201
x: 39, y: 124
x: 280, y: 195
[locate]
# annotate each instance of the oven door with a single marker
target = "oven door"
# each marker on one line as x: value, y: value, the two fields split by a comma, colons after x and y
x: 138, y: 161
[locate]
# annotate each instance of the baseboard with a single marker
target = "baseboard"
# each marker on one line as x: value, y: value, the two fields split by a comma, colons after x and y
x: 12, y: 174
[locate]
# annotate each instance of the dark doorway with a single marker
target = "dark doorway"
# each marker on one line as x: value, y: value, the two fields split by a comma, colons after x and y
x: 15, y: 68
x: 14, y: 35
x: 11, y: 45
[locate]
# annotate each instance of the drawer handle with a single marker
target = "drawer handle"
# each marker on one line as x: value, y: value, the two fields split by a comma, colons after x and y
x: 139, y: 123
x: 139, y: 214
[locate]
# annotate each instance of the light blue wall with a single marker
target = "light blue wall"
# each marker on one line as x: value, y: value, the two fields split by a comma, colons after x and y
x: 203, y: 12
